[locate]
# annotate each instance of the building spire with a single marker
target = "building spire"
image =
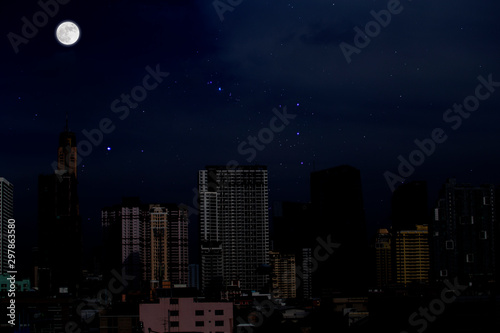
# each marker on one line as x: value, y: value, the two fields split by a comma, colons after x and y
x: 66, y: 153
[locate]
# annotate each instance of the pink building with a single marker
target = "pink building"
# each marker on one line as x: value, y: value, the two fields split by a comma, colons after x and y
x: 186, y: 315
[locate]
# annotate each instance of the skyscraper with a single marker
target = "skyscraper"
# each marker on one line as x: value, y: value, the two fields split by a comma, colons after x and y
x: 412, y: 256
x: 59, y: 225
x: 169, y: 243
x: 304, y: 274
x: 234, y: 227
x: 383, y: 258
x: 67, y: 157
x: 463, y: 234
x: 158, y: 219
x: 125, y: 244
x: 283, y: 276
x: 337, y: 204
x: 6, y: 213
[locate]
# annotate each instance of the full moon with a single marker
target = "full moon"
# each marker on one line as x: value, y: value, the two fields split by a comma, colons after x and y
x: 67, y: 33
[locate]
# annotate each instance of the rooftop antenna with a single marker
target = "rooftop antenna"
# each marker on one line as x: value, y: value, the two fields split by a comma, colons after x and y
x: 67, y: 122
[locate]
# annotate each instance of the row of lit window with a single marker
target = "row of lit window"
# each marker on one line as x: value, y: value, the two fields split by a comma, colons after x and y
x: 197, y: 323
x: 175, y: 313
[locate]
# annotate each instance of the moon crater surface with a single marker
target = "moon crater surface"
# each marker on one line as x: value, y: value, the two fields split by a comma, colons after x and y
x: 67, y: 33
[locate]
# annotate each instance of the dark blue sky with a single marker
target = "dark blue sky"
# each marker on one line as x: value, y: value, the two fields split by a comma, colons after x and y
x: 226, y: 77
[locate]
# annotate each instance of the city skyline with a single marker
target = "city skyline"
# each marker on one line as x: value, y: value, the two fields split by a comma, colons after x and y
x: 371, y: 126
x: 149, y: 244
x: 193, y: 209
x: 203, y: 86
x: 234, y: 206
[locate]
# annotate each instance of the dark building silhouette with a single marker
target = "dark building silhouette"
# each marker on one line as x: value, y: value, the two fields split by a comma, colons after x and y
x: 58, y: 266
x: 337, y: 204
x: 288, y: 234
x: 383, y: 258
x: 463, y: 235
x: 409, y: 206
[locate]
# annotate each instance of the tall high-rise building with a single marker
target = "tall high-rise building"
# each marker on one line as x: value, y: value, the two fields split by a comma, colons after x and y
x: 67, y: 157
x: 6, y: 213
x: 383, y: 258
x: 463, y: 234
x: 234, y: 226
x: 409, y: 206
x: 283, y: 275
x: 169, y: 243
x: 412, y: 256
x: 159, y: 255
x: 304, y: 274
x: 125, y: 244
x: 337, y: 204
x: 58, y: 267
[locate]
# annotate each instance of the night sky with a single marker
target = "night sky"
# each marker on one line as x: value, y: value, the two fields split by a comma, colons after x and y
x: 226, y: 77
